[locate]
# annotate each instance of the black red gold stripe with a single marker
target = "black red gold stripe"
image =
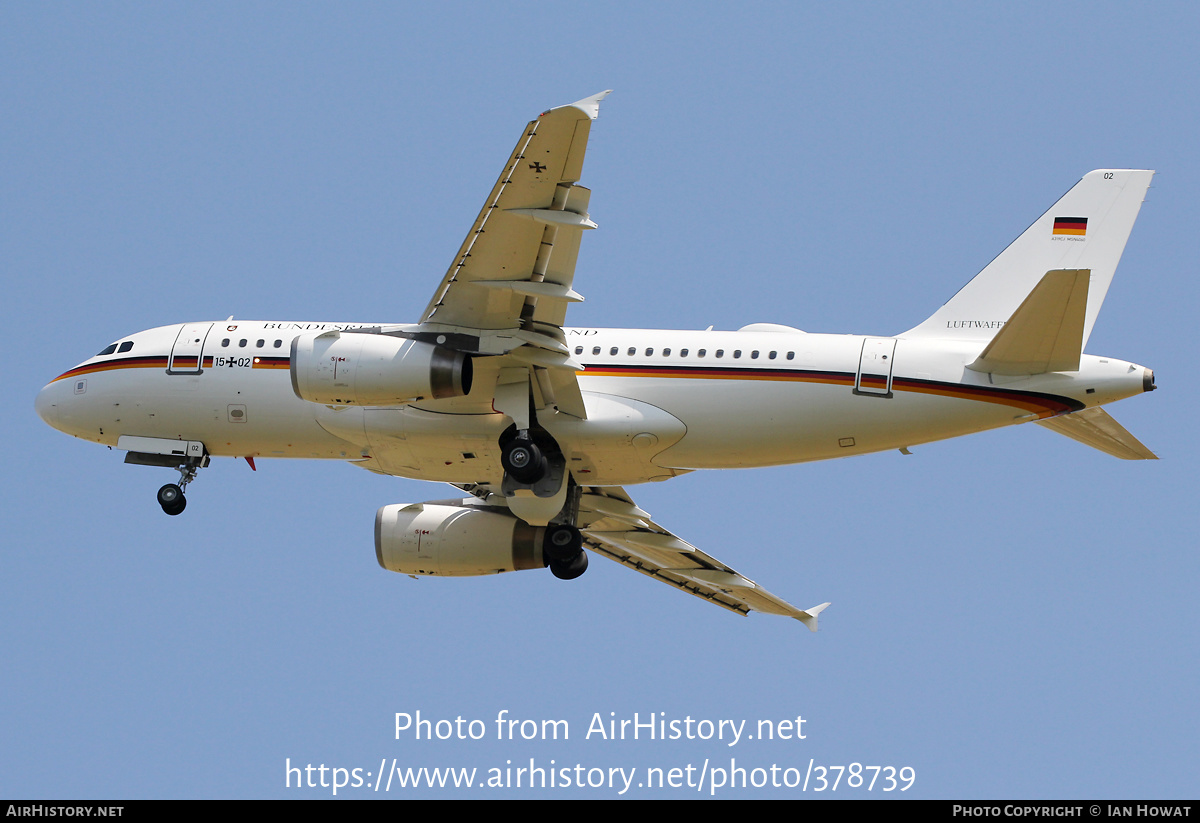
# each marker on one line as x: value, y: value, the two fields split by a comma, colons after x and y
x: 719, y: 373
x: 1038, y: 403
x: 272, y: 363
x: 1043, y: 405
x: 160, y: 362
x: 157, y: 362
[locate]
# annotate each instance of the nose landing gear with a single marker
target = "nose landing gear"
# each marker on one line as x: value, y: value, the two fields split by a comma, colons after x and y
x: 186, y: 457
x: 171, y: 497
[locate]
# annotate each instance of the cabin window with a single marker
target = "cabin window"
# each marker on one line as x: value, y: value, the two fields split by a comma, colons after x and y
x: 666, y: 352
x: 108, y: 350
x: 613, y: 350
x: 242, y: 343
x: 791, y: 355
x: 683, y: 352
x: 225, y: 343
x: 771, y: 356
x: 720, y: 352
x: 754, y: 355
x: 737, y: 353
x: 579, y: 349
x: 260, y: 343
x: 649, y: 352
x: 595, y: 350
x: 632, y: 351
x: 702, y: 352
x: 278, y: 343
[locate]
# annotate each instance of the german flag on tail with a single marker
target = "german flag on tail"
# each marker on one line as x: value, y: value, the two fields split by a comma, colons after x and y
x: 1076, y: 226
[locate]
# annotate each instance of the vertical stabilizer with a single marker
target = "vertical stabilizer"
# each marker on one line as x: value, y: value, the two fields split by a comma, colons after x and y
x: 1086, y: 229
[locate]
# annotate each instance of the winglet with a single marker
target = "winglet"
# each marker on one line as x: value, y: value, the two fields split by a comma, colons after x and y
x: 809, y: 616
x: 588, y: 105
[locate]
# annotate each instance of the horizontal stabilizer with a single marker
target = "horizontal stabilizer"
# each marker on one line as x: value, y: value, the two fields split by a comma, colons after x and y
x: 1096, y: 428
x: 1045, y: 333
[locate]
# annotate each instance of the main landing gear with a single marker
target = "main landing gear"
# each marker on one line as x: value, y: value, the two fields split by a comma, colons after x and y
x: 562, y: 549
x: 538, y: 488
x: 523, y: 460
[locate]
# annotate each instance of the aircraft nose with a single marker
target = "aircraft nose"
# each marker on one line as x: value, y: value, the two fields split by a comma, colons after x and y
x: 48, y: 406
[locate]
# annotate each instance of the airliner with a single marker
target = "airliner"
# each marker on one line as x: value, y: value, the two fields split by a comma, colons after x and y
x: 543, y: 425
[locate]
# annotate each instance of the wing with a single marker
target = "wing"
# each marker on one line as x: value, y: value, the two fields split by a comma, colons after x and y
x: 507, y: 291
x: 515, y: 268
x: 613, y: 526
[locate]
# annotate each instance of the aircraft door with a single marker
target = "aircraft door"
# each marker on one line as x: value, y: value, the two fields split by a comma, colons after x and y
x: 186, y: 354
x: 875, y: 367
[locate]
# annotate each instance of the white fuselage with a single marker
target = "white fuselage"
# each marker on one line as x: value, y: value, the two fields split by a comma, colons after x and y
x: 659, y: 402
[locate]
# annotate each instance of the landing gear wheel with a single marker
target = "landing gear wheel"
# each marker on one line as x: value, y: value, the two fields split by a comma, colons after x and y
x: 171, y: 498
x: 570, y: 569
x: 523, y: 461
x: 562, y: 543
x: 562, y: 549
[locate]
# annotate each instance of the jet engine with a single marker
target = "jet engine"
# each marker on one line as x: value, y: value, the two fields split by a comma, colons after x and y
x: 454, y: 540
x: 343, y: 368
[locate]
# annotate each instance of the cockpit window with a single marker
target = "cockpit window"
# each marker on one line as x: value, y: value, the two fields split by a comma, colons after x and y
x: 108, y: 350
x: 126, y: 346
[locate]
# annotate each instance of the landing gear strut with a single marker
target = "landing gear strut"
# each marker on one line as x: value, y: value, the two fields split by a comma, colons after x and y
x: 185, y: 456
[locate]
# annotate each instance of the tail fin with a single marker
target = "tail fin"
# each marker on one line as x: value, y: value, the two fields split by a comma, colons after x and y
x: 1086, y: 229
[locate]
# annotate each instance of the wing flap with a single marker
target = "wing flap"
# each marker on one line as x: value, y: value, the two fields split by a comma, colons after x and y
x: 1096, y: 428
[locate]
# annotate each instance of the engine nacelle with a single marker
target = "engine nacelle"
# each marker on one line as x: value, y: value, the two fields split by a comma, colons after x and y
x: 454, y: 541
x: 344, y: 369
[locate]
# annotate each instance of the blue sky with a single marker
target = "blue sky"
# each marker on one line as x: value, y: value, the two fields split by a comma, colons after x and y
x: 1012, y: 612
